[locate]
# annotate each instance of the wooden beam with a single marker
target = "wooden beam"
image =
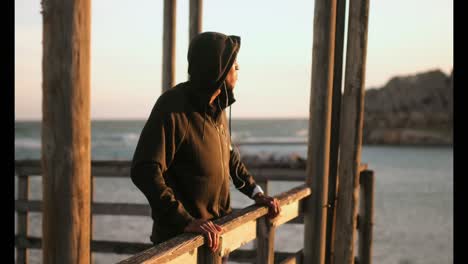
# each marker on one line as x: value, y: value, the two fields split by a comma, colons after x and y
x: 169, y: 39
x: 96, y: 208
x: 187, y: 258
x: 169, y: 250
x: 23, y: 222
x: 130, y: 248
x: 351, y: 132
x: 66, y: 131
x: 335, y: 128
x: 195, y: 17
x: 293, y: 258
x: 241, y: 221
x: 366, y: 215
x: 249, y: 255
x: 265, y: 241
x: 122, y: 169
x: 318, y: 153
x: 235, y: 238
x: 102, y: 246
x: 118, y: 209
x: 288, y: 212
x: 116, y: 247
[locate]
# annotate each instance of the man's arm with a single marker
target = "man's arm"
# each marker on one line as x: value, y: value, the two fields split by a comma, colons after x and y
x: 241, y: 177
x: 245, y: 183
x: 153, y: 155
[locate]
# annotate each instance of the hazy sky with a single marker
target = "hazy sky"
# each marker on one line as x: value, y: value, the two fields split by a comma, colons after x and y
x: 405, y: 37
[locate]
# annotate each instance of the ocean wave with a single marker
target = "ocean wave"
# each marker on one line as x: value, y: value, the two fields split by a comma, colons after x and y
x: 29, y: 143
x: 116, y: 139
x: 272, y: 139
x: 302, y: 133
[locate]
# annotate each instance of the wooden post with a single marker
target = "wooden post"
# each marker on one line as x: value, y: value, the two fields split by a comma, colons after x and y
x: 169, y: 38
x: 91, y: 220
x: 206, y: 256
x: 196, y: 16
x: 265, y: 241
x: 351, y: 132
x: 315, y: 216
x: 366, y: 216
x: 23, y: 225
x: 335, y: 128
x: 66, y: 131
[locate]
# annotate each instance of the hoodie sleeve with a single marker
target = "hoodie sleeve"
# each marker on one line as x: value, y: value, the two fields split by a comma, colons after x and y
x: 154, y: 153
x: 241, y: 177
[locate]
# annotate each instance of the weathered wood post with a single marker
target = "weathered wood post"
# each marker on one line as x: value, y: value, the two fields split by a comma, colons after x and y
x: 366, y: 216
x: 351, y: 132
x: 195, y: 17
x: 335, y: 128
x: 315, y: 216
x: 66, y: 131
x: 265, y: 241
x: 23, y: 219
x: 169, y: 38
x: 206, y: 256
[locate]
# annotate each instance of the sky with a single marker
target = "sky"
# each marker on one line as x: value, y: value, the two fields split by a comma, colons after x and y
x: 404, y: 38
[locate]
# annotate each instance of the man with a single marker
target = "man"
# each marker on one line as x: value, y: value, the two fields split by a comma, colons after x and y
x: 184, y: 159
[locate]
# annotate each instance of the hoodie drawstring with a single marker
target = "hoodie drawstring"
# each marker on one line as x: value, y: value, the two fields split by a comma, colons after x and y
x: 230, y: 107
x: 230, y: 134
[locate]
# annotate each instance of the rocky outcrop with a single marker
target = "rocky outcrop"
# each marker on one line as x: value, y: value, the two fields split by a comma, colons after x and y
x: 415, y: 109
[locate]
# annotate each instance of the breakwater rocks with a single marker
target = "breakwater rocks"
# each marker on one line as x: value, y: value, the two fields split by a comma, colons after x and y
x: 273, y: 160
x: 411, y: 110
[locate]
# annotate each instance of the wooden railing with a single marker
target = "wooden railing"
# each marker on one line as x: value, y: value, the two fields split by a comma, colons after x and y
x: 240, y: 227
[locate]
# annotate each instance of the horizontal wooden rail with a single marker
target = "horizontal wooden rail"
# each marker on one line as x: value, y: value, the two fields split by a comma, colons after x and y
x: 130, y: 248
x: 291, y: 212
x: 102, y: 246
x: 113, y: 209
x: 265, y: 172
x: 97, y: 208
x: 238, y: 228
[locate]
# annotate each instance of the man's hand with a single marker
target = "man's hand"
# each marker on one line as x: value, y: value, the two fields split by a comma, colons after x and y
x: 273, y: 205
x: 210, y: 230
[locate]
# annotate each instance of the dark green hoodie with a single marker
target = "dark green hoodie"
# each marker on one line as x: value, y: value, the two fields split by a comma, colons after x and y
x: 184, y: 161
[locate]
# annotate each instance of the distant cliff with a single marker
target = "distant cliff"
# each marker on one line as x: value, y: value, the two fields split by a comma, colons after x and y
x: 409, y: 110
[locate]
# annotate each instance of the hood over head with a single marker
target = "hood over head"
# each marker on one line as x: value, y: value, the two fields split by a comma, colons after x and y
x: 210, y: 57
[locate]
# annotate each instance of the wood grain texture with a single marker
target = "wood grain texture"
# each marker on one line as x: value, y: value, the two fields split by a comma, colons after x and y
x: 195, y: 18
x: 265, y: 241
x: 23, y: 222
x: 239, y: 225
x: 318, y: 153
x: 66, y: 131
x: 366, y: 216
x: 351, y: 132
x: 169, y: 39
x: 335, y: 128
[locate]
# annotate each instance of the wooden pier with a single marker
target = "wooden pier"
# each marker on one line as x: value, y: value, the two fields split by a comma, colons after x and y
x: 240, y: 227
x: 328, y: 202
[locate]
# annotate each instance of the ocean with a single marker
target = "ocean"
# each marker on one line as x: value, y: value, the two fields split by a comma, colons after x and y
x: 413, y: 189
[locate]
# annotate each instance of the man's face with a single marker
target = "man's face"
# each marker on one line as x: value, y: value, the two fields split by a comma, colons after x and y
x: 231, y: 78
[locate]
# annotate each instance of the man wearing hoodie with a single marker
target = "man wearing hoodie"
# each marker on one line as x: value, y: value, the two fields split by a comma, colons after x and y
x: 184, y: 160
